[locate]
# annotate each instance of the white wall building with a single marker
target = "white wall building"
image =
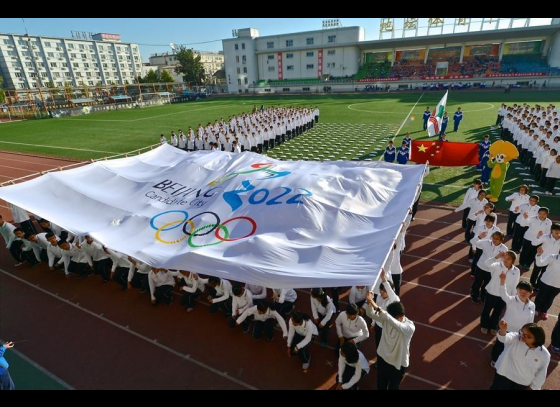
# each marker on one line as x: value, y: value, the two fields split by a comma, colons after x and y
x: 35, y: 61
x: 250, y: 58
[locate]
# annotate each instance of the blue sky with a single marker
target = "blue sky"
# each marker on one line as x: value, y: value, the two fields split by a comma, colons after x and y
x: 203, y: 34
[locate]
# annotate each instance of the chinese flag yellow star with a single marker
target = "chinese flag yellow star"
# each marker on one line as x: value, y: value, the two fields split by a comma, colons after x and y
x: 422, y: 148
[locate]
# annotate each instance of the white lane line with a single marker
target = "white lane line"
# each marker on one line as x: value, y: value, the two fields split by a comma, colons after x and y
x: 58, y: 148
x: 122, y: 328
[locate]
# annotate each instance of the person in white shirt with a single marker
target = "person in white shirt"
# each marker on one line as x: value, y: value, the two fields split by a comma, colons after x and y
x: 40, y: 244
x: 488, y: 246
x: 12, y: 244
x: 351, y: 327
x: 29, y: 251
x: 100, y: 260
x: 526, y: 212
x: 538, y: 227
x: 192, y: 288
x: 524, y: 362
x: 487, y: 228
x: 76, y: 259
x: 352, y: 367
x: 174, y: 139
x: 520, y: 311
x: 323, y: 310
x: 120, y: 268
x: 547, y: 163
x: 386, y: 297
x: 301, y: 333
x: 551, y: 245
x: 552, y: 176
x: 54, y: 254
x: 265, y: 319
x: 161, y: 283
x: 21, y: 216
x: 503, y: 263
x: 284, y: 301
x: 138, y: 275
x: 358, y: 296
x: 393, y: 354
x: 474, y: 206
x: 182, y: 140
x: 472, y: 193
x: 236, y: 148
x: 258, y: 292
x: 220, y: 295
x: 56, y: 230
x: 549, y: 284
x: 517, y: 200
x: 162, y: 139
x: 242, y: 301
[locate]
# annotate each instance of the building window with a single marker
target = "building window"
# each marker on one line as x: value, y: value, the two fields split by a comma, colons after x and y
x: 331, y: 52
x: 271, y: 69
x: 290, y: 67
x: 238, y: 71
x: 332, y: 38
x: 237, y: 58
x: 19, y: 75
x: 289, y: 43
x: 330, y: 65
x: 246, y: 81
x: 285, y: 89
x: 44, y: 75
x: 270, y: 57
x: 70, y: 46
x: 49, y: 54
x: 306, y: 89
x: 75, y: 65
x: 244, y: 59
x: 270, y: 45
x: 309, y: 54
x: 29, y: 64
x: 289, y: 56
x: 82, y: 46
x: 53, y: 64
x: 237, y: 47
x: 6, y: 42
x: 239, y: 82
x: 65, y: 65
x: 245, y: 69
x: 310, y: 66
x: 310, y: 41
x: 242, y: 45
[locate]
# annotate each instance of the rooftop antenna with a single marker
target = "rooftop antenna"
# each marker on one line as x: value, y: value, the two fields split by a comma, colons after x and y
x: 173, y: 47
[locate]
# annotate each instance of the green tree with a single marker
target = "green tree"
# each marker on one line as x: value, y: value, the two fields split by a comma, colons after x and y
x: 190, y: 65
x: 166, y: 77
x: 151, y: 77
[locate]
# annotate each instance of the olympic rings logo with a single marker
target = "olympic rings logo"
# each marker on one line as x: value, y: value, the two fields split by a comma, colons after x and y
x: 191, y: 231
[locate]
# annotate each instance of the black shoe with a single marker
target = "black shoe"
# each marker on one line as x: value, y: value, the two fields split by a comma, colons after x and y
x: 143, y: 291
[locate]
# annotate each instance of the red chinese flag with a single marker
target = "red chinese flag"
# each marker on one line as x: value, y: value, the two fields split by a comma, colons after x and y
x: 444, y: 153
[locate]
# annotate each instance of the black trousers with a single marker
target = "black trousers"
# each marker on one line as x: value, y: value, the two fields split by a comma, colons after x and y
x: 284, y: 309
x: 415, y: 208
x: 536, y: 276
x: 378, y: 335
x: 140, y: 281
x: 518, y: 234
x: 551, y: 184
x: 497, y: 350
x: 267, y: 327
x: 481, y: 280
x: 103, y: 268
x: 163, y: 294
x: 324, y: 331
x: 528, y: 254
x: 469, y: 233
x: 397, y: 282
x: 225, y: 306
x: 303, y: 354
x: 503, y: 383
x: 349, y: 372
x: 16, y: 250
x: 556, y: 335
x: 511, y: 222
x: 475, y: 258
x: 335, y: 296
x: 28, y: 227
x: 316, y: 119
x: 121, y: 277
x: 188, y: 300
x: 546, y: 297
x: 466, y: 213
x: 388, y: 376
x: 80, y: 269
x: 492, y: 312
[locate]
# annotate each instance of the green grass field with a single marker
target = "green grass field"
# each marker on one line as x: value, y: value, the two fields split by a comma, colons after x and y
x: 352, y: 127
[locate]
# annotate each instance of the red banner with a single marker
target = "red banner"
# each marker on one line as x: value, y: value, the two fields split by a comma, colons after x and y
x: 444, y: 153
x: 380, y: 80
x: 320, y: 73
x: 280, y: 70
x: 514, y: 75
x: 435, y: 78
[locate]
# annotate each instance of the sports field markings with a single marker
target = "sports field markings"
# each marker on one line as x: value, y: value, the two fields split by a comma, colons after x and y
x: 32, y: 162
x: 185, y: 112
x: 136, y: 334
x: 18, y: 169
x: 40, y: 368
x: 59, y: 148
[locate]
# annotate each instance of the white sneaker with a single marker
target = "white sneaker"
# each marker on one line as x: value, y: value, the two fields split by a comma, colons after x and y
x: 190, y: 310
x: 19, y: 264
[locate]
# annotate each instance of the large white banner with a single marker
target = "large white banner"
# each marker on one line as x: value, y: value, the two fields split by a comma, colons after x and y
x: 241, y: 217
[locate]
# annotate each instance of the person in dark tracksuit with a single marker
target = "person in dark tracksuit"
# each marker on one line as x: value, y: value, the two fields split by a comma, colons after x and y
x: 457, y: 118
x: 6, y: 382
x: 426, y: 118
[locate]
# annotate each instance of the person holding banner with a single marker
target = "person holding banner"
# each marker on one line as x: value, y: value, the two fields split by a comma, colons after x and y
x: 302, y: 332
x: 323, y: 310
x: 444, y: 122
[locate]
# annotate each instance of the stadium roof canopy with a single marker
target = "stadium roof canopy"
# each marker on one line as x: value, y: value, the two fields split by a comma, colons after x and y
x: 490, y: 36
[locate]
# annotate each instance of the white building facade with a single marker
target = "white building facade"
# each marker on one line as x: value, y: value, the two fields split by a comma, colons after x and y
x: 212, y: 62
x: 250, y: 58
x: 35, y: 61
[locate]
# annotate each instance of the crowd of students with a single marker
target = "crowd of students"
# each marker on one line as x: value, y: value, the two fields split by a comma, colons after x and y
x: 258, y: 131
